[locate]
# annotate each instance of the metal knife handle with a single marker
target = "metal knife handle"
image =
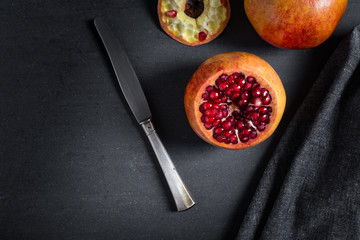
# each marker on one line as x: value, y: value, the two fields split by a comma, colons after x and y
x: 181, y: 195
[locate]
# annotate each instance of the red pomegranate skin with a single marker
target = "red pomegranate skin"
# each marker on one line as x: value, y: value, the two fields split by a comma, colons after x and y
x: 295, y: 24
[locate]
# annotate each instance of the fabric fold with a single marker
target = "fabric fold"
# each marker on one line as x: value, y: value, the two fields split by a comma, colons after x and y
x: 310, y: 188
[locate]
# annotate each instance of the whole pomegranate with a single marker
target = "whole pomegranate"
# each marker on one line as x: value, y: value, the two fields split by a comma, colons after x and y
x: 295, y: 24
x: 234, y: 100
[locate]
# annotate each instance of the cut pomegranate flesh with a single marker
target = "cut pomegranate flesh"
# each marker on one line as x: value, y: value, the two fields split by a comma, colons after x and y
x: 236, y: 108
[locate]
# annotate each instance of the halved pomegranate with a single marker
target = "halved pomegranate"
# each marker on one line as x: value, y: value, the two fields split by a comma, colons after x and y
x: 193, y: 22
x: 234, y: 100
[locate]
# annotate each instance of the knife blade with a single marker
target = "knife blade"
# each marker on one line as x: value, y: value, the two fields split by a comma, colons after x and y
x: 138, y: 104
x: 124, y: 72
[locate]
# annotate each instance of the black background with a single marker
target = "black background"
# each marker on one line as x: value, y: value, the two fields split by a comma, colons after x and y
x: 74, y: 164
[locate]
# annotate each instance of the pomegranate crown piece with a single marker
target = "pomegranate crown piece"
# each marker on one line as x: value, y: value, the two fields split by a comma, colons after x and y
x: 193, y: 22
x: 234, y: 100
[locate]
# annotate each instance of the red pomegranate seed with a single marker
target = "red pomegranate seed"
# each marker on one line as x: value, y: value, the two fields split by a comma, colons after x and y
x: 230, y: 79
x: 209, y: 88
x: 237, y: 75
x: 231, y: 119
x: 248, y: 86
x: 241, y: 81
x: 240, y: 125
x: 235, y: 95
x: 250, y: 79
x: 218, y: 130
x: 219, y: 115
x: 223, y: 85
x: 228, y: 133
x: 209, y: 119
x: 261, y: 127
x: 255, y: 85
x: 263, y: 110
x: 253, y: 135
x: 204, y: 106
x: 228, y: 92
x: 254, y: 116
x: 242, y: 102
x: 256, y: 92
x: 220, y: 138
x: 264, y: 92
x: 214, y: 94
x: 202, y: 36
x: 210, y: 112
x: 216, y: 123
x: 226, y: 125
x: 249, y: 108
x: 225, y: 113
x: 223, y: 76
x: 265, y: 118
x: 247, y: 131
x: 208, y: 126
x: 236, y: 87
x: 244, y: 139
x: 255, y: 122
x: 267, y: 100
x: 233, y: 139
x: 245, y: 95
x: 171, y: 13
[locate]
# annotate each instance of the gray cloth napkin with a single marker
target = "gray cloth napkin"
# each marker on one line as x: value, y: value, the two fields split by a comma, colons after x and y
x: 311, y: 186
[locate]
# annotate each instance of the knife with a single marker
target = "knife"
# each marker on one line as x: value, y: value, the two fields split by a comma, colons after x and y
x: 135, y: 97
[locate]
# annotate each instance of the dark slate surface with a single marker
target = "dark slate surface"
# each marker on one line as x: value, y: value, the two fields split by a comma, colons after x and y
x: 74, y: 164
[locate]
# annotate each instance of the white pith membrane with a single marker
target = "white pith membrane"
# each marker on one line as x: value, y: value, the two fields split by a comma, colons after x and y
x: 235, y: 108
x: 209, y: 22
